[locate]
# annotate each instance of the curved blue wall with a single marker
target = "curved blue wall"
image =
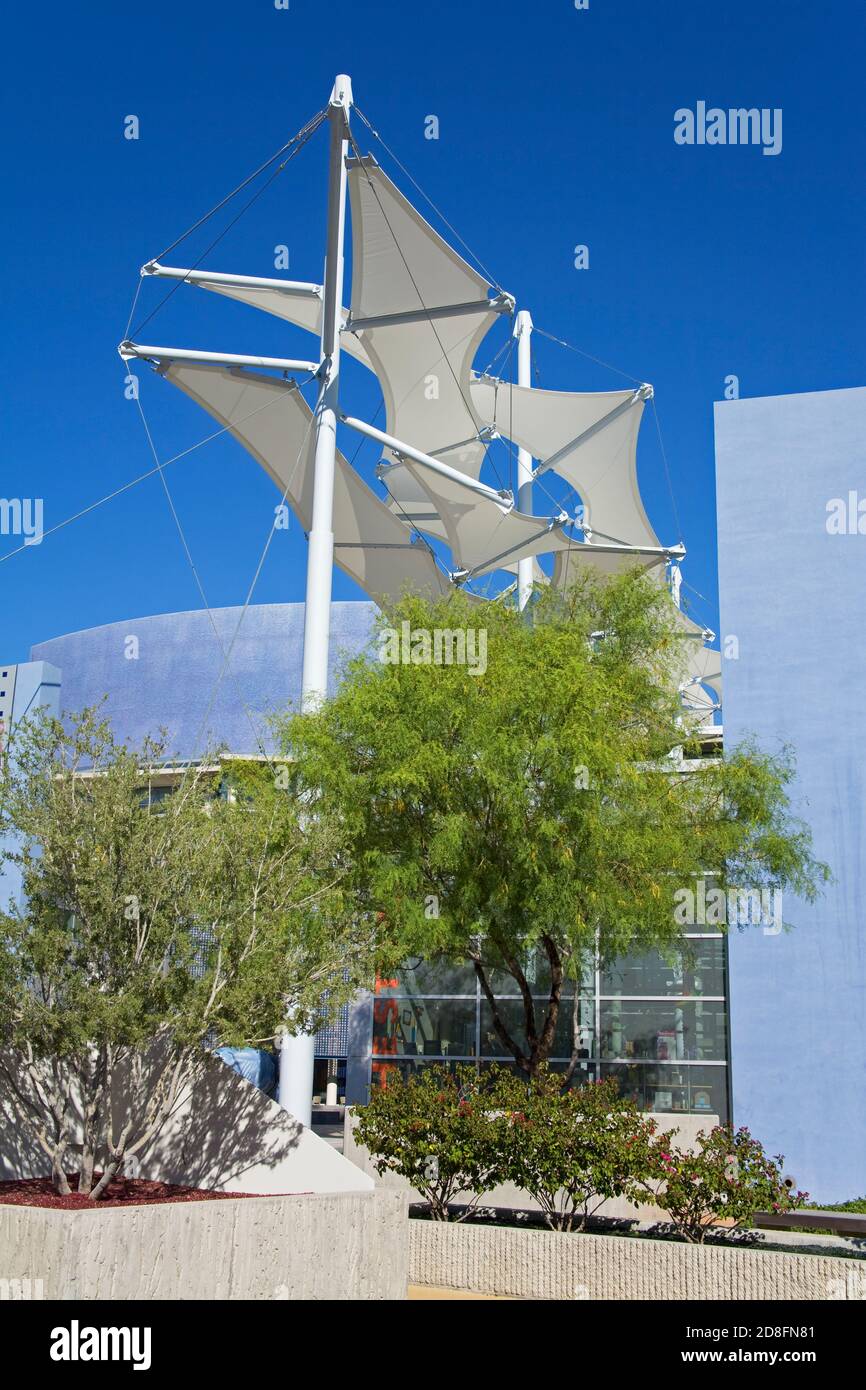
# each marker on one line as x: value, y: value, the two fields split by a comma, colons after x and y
x: 165, y: 671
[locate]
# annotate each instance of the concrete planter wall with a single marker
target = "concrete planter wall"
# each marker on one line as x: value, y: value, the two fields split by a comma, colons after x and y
x: 307, y: 1246
x: 544, y: 1264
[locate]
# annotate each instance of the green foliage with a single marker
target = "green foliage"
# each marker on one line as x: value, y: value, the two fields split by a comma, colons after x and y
x: 573, y: 1149
x: 538, y: 804
x: 454, y: 1134
x: 436, y: 1131
x: 151, y: 926
x: 728, y: 1177
x: 856, y: 1204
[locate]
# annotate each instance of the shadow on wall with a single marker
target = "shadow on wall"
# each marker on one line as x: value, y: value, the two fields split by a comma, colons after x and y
x: 220, y: 1129
x: 222, y: 1134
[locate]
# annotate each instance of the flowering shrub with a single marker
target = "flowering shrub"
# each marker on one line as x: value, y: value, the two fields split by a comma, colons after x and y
x: 728, y: 1176
x: 436, y: 1131
x: 572, y: 1150
x: 453, y: 1135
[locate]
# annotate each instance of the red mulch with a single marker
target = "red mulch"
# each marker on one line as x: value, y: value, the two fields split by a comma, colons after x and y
x: 39, y: 1192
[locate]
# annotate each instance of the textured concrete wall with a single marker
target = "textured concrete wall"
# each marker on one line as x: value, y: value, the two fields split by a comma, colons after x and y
x: 353, y: 1246
x: 793, y: 595
x: 175, y: 680
x: 542, y: 1264
x: 507, y: 1195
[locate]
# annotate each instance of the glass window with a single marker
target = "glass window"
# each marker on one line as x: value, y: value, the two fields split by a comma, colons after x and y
x: 383, y: 1067
x: 438, y: 976
x: 697, y: 968
x: 512, y: 1015
x: 412, y: 1027
x: 536, y: 969
x: 672, y: 1089
x: 662, y: 1031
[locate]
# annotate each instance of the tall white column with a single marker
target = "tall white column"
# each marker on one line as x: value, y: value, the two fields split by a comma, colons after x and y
x: 297, y: 1051
x: 320, y: 555
x: 523, y: 332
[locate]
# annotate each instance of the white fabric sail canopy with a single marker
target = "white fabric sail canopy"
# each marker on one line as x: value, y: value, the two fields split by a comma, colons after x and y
x: 418, y: 314
x: 482, y: 531
x: 271, y: 419
x: 400, y: 265
x: 704, y: 665
x: 603, y: 468
x: 304, y: 311
x: 576, y: 557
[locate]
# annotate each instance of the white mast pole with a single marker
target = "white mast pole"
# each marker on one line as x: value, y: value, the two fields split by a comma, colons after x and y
x: 523, y: 333
x: 297, y: 1053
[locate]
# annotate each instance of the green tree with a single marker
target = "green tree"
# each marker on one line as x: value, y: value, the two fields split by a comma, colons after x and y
x: 537, y: 800
x: 150, y: 926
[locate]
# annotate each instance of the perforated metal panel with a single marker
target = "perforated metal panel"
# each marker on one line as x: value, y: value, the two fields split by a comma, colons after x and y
x: 8, y: 676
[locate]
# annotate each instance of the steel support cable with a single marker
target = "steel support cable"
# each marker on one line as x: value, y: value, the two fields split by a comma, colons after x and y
x: 504, y: 348
x: 306, y: 130
x: 142, y: 477
x: 703, y: 599
x: 302, y: 139
x: 588, y: 355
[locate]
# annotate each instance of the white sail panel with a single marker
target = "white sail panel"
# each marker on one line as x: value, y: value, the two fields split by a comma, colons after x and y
x: 408, y: 500
x: 423, y: 369
x: 603, y: 469
x: 401, y: 265
x: 576, y: 557
x: 304, y: 311
x: 481, y: 531
x: 271, y: 419
x: 704, y: 666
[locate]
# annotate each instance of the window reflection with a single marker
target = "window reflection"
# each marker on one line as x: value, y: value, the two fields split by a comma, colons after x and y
x: 435, y: 976
x: 673, y: 1090
x: 652, y: 1024
x: 697, y: 968
x: 511, y: 1012
x: 413, y: 1027
x: 662, y: 1031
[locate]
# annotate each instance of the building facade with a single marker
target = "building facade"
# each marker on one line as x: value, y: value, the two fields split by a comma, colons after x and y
x: 766, y: 1026
x: 791, y: 484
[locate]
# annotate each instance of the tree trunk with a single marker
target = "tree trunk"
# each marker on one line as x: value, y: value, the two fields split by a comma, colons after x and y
x: 85, y: 1171
x: 58, y: 1177
x: 110, y: 1170
x: 540, y: 1044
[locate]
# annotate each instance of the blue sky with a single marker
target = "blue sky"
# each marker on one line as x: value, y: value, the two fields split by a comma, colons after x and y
x: 556, y: 128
